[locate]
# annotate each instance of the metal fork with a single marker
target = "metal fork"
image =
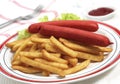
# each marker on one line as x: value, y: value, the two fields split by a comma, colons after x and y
x: 27, y: 17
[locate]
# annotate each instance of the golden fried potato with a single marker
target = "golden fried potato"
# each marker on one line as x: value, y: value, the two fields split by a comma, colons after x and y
x: 77, y: 68
x: 41, y: 65
x: 67, y: 51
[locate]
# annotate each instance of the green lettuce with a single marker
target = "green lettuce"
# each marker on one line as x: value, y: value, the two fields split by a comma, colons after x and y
x: 43, y: 19
x: 23, y: 34
x: 63, y: 16
x: 68, y: 16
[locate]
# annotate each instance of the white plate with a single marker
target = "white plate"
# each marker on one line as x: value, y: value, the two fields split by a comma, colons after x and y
x: 93, y: 69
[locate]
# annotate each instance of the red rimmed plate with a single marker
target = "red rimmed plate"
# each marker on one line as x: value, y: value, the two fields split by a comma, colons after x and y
x: 93, y: 69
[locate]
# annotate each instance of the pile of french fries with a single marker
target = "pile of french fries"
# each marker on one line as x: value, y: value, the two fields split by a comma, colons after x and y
x: 50, y: 55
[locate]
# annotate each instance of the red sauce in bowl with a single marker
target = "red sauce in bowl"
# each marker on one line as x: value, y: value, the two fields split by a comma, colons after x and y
x: 101, y: 11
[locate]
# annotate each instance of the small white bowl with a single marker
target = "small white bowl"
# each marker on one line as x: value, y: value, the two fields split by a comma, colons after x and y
x: 99, y: 18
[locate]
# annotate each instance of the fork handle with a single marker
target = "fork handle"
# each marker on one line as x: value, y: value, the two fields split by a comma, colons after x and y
x: 9, y: 22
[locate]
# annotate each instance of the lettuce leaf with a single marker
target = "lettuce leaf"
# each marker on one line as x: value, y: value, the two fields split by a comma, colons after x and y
x: 43, y: 19
x: 23, y: 34
x: 63, y: 16
x: 69, y: 16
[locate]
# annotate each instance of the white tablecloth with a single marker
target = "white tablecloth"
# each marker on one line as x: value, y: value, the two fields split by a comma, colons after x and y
x: 13, y: 8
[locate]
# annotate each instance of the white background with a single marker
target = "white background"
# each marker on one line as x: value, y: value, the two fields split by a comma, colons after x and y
x: 9, y: 10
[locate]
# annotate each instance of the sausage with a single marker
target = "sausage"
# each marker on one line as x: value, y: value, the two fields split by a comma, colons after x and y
x: 79, y: 24
x: 82, y: 36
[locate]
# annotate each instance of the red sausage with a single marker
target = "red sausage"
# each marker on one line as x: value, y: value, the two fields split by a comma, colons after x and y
x: 75, y: 34
x: 79, y: 24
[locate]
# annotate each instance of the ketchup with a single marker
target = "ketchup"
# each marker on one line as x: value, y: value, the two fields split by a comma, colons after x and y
x: 101, y: 11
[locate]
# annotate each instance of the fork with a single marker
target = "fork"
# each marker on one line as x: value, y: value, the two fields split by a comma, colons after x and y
x: 27, y: 17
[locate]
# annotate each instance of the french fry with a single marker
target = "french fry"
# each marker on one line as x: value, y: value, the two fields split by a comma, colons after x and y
x: 50, y: 57
x: 104, y: 49
x: 50, y: 47
x: 77, y: 68
x: 31, y: 54
x: 33, y: 48
x: 45, y: 73
x: 64, y: 49
x: 16, y: 46
x: 55, y: 64
x: 72, y: 61
x: 80, y: 47
x: 42, y: 66
x: 21, y: 48
x: 29, y: 70
x: 38, y: 35
x: 56, y: 54
x: 36, y: 54
x: 16, y: 61
x: 11, y: 44
x: 16, y: 55
x: 91, y: 57
x: 40, y: 40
